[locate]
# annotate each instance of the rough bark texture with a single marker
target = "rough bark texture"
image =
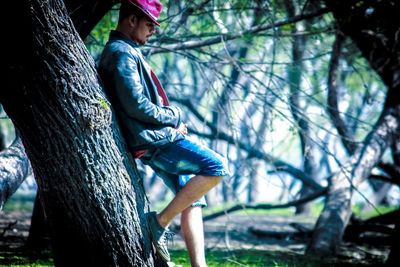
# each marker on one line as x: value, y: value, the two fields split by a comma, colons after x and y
x: 335, y: 216
x: 375, y: 28
x: 85, y: 15
x: 14, y: 167
x: 39, y: 238
x: 83, y: 171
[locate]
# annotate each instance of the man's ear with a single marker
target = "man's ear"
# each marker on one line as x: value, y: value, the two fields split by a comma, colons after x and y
x: 132, y: 20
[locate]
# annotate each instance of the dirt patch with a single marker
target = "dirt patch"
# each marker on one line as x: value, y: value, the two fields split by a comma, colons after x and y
x: 14, y: 229
x: 279, y: 234
x: 233, y: 232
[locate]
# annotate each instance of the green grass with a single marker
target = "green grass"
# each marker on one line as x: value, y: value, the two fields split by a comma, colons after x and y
x: 17, y: 259
x: 255, y: 258
x: 20, y: 202
x: 281, y: 212
x: 13, y: 205
x: 31, y: 265
x: 216, y: 258
x: 378, y: 210
x: 228, y: 259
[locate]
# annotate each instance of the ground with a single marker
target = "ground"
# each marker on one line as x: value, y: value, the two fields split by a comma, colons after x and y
x: 229, y: 239
x: 274, y: 233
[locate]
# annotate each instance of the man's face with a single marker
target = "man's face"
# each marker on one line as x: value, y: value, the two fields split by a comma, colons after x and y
x: 142, y: 29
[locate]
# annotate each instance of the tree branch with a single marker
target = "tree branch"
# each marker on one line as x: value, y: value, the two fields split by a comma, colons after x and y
x: 14, y: 168
x: 333, y: 106
x: 297, y: 202
x: 226, y: 37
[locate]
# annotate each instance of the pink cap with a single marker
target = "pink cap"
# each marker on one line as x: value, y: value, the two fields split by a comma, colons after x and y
x: 152, y: 8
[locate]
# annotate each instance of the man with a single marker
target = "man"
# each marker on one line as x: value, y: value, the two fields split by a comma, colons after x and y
x: 153, y: 129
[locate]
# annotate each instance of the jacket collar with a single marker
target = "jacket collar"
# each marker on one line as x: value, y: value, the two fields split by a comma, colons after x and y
x: 116, y: 35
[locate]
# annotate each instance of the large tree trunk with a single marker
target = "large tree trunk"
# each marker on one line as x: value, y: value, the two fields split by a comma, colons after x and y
x: 85, y: 15
x: 374, y: 27
x: 82, y: 169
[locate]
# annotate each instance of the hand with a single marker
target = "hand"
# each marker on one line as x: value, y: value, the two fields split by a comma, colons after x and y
x: 183, y: 128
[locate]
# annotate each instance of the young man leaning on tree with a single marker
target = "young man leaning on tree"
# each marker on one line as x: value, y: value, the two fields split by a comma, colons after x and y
x: 154, y: 131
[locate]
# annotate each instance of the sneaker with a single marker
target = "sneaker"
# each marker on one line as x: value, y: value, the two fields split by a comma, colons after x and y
x: 158, y: 236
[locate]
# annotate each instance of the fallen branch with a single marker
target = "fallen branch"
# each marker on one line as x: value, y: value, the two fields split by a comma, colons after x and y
x: 278, y: 234
x: 267, y: 206
x: 8, y: 227
x: 376, y: 230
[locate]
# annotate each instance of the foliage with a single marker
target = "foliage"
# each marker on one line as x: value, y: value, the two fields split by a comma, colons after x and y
x: 99, y: 36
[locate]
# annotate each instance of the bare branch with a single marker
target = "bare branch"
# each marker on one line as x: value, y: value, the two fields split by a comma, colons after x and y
x: 267, y: 206
x: 226, y: 37
x: 333, y: 106
x: 14, y: 168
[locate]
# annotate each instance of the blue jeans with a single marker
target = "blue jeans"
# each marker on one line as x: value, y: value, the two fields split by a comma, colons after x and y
x: 177, y: 162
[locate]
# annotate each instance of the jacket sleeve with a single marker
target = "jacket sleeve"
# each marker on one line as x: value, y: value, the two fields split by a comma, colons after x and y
x: 129, y: 90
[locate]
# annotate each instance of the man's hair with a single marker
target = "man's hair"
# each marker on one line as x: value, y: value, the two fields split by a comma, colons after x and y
x: 126, y: 9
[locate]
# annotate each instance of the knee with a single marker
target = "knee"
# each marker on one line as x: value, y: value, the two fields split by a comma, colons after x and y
x: 217, y: 168
x: 223, y: 168
x: 211, y: 180
x: 216, y: 179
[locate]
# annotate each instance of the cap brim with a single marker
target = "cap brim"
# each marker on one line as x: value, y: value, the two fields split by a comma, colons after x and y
x: 153, y: 19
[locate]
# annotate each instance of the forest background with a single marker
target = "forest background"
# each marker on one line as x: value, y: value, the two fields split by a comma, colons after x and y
x: 299, y: 95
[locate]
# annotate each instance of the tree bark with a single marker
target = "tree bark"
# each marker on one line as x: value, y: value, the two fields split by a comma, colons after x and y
x: 335, y: 216
x: 84, y: 24
x: 39, y: 238
x: 90, y: 191
x: 14, y: 167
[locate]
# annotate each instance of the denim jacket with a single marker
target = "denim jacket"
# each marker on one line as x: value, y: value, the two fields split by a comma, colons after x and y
x: 144, y: 121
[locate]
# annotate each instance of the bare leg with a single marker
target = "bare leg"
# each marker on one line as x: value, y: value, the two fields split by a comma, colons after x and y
x: 193, y: 234
x: 194, y: 189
